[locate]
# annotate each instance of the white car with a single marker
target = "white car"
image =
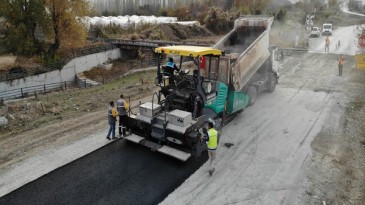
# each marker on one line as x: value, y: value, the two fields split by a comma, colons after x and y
x: 315, y: 32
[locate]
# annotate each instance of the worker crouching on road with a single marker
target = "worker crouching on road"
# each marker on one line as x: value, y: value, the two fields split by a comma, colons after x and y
x: 341, y: 61
x: 112, y: 118
x: 212, y: 144
x: 122, y: 107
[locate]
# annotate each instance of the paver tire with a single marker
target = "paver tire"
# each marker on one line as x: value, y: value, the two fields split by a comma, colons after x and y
x: 272, y: 81
x: 252, y: 94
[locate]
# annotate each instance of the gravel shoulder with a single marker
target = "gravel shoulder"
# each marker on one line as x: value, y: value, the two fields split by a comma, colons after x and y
x: 334, y: 173
x: 302, y: 144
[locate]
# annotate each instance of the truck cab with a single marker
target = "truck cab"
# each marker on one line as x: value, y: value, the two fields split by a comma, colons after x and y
x: 327, y: 29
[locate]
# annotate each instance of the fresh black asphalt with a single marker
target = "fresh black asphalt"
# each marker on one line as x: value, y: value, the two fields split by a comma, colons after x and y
x: 119, y: 173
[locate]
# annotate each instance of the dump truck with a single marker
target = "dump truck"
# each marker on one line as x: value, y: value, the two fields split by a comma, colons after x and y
x: 213, y: 84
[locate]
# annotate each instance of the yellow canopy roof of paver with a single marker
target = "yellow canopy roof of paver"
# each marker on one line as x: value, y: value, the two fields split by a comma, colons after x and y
x: 194, y: 51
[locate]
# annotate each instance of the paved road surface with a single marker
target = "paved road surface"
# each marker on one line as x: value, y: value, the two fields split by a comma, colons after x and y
x: 273, y: 139
x: 120, y: 173
x: 345, y: 35
x: 272, y: 144
x: 345, y: 8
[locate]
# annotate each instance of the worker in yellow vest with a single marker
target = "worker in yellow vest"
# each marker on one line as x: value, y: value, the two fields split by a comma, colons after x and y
x: 122, y: 107
x: 112, y: 118
x: 212, y: 144
x: 341, y: 61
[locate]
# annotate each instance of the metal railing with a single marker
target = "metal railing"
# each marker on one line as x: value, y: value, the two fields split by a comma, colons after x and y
x: 45, y: 88
x: 33, y: 90
x: 91, y: 50
x: 282, y: 52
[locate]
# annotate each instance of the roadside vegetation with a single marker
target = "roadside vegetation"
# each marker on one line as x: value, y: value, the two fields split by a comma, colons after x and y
x: 53, y: 107
x: 356, y: 6
x: 47, y: 32
x: 55, y: 21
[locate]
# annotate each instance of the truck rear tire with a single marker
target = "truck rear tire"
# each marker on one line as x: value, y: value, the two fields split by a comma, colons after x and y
x: 271, y: 83
x: 252, y: 94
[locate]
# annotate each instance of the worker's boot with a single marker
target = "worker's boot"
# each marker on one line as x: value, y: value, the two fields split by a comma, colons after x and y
x: 211, y: 171
x: 124, y: 133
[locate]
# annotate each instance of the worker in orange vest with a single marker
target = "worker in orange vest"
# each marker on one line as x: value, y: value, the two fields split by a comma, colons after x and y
x: 341, y: 61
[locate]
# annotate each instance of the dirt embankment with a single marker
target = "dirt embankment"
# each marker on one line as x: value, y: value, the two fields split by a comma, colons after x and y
x: 64, y: 116
x: 176, y: 32
x: 102, y: 75
x: 6, y: 62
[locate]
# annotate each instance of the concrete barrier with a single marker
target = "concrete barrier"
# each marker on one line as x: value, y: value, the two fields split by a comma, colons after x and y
x: 67, y: 73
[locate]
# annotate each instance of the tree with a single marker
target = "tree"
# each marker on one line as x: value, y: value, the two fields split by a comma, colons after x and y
x: 252, y: 6
x: 67, y: 29
x: 182, y: 13
x: 332, y: 4
x: 22, y: 17
x: 217, y: 20
x: 227, y: 5
x: 280, y: 14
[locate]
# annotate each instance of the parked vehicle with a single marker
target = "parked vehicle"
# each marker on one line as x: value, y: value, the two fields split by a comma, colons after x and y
x: 315, y: 32
x: 225, y: 80
x: 327, y: 29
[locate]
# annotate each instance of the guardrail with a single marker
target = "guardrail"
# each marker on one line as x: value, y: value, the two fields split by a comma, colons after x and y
x: 84, y: 83
x: 32, y: 90
x: 91, y: 50
x: 282, y: 52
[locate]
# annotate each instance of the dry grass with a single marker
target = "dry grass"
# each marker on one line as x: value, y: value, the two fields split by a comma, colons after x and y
x: 7, y: 61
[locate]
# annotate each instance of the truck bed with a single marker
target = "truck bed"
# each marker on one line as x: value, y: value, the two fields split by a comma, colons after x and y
x: 240, y: 39
x: 250, y: 39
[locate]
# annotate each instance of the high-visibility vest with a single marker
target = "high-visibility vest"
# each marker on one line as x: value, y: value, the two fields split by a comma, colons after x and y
x: 112, y: 114
x: 170, y: 65
x: 122, y: 106
x: 213, y: 139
